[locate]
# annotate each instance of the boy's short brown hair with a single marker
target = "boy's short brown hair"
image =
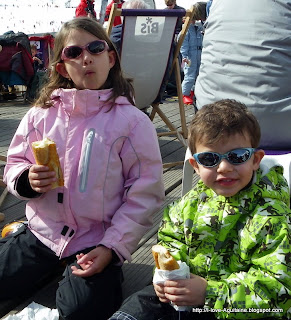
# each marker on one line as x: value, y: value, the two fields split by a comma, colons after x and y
x: 222, y: 119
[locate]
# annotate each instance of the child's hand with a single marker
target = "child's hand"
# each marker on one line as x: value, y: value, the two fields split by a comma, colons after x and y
x: 187, y: 292
x: 36, y: 59
x: 40, y: 178
x: 93, y: 262
x: 160, y: 292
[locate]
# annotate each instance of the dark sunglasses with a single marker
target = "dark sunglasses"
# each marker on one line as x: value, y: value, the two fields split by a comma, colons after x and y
x: 74, y: 52
x: 212, y: 159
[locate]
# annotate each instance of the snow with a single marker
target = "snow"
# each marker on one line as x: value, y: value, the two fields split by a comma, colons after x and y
x: 35, y: 16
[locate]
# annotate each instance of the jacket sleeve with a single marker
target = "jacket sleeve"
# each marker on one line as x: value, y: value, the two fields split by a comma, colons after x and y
x: 81, y: 10
x: 172, y: 231
x: 107, y: 11
x: 143, y: 190
x: 19, y: 157
x: 259, y: 291
x: 265, y: 286
x: 184, y: 50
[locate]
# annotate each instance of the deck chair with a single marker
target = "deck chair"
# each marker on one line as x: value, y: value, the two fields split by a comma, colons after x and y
x: 147, y: 44
x: 2, y: 184
x: 45, y: 46
x: 270, y: 159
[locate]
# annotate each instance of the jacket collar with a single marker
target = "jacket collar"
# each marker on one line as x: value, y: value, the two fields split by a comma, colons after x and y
x: 85, y: 102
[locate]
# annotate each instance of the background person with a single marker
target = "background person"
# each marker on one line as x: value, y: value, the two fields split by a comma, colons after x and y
x: 86, y: 9
x: 171, y: 4
x: 37, y: 62
x: 117, y: 20
x: 190, y: 50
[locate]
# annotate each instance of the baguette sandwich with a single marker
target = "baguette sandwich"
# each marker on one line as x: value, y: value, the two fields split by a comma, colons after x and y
x: 163, y: 258
x: 45, y: 153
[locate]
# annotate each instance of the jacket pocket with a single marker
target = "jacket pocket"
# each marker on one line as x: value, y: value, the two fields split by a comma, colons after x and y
x: 85, y: 161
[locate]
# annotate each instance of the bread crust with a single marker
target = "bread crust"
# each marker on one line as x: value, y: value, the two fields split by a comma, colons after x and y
x: 163, y: 258
x: 45, y: 153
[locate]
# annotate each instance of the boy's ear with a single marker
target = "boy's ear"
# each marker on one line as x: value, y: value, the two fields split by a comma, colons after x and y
x: 258, y: 156
x: 194, y: 164
x: 61, y: 69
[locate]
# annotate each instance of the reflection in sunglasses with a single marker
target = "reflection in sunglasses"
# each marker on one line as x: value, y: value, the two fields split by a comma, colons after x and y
x: 235, y: 157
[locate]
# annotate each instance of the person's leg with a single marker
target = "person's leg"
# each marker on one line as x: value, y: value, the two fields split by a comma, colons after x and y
x: 189, y: 79
x: 144, y: 305
x: 95, y: 297
x: 24, y: 261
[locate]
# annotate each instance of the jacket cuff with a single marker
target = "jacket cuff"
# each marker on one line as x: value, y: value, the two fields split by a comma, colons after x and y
x: 115, y: 257
x: 23, y: 187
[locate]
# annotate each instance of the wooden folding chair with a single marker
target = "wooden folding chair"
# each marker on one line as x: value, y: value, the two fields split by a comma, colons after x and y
x: 5, y: 191
x: 147, y: 44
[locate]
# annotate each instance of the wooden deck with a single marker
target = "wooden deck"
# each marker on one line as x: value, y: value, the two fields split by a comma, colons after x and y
x: 138, y: 273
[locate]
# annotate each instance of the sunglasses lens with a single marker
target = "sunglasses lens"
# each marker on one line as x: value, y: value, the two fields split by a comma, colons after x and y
x: 238, y: 156
x: 208, y: 159
x: 72, y: 52
x: 96, y: 47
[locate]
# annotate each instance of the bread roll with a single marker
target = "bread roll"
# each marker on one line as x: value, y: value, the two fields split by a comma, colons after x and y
x: 163, y: 258
x: 45, y: 153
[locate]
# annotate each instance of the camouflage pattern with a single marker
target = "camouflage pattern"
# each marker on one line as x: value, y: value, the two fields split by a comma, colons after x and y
x: 241, y: 245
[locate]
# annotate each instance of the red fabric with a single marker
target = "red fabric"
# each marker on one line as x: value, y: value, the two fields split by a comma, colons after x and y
x: 117, y: 20
x: 22, y: 64
x: 81, y: 9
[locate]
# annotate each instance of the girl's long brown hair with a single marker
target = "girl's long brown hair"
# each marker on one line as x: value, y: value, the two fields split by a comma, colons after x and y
x: 120, y: 85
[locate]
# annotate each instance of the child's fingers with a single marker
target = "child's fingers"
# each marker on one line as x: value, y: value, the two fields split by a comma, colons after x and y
x: 40, y: 178
x: 38, y: 167
x: 42, y: 189
x: 159, y: 289
x: 41, y: 175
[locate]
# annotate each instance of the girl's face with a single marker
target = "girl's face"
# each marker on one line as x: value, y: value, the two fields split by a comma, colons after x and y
x: 227, y: 179
x: 88, y: 71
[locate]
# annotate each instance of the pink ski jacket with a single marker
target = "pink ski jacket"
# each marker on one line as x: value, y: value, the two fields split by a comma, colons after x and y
x: 112, y: 170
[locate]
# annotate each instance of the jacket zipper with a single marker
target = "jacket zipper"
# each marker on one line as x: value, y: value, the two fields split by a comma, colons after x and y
x: 86, y: 159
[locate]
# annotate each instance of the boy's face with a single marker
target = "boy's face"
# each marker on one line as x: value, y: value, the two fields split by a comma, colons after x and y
x: 227, y: 179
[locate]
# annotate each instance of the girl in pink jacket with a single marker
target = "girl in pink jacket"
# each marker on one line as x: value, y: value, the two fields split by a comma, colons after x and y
x: 112, y: 170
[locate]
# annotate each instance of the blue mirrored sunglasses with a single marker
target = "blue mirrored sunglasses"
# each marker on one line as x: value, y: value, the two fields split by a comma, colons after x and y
x: 212, y: 159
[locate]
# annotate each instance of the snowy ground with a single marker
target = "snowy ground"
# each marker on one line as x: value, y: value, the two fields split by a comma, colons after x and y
x: 35, y: 16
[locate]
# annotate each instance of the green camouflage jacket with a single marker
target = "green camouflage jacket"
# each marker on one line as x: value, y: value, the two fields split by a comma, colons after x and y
x: 241, y: 245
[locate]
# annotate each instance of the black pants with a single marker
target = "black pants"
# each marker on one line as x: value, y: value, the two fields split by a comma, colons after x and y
x: 25, y: 261
x: 145, y: 305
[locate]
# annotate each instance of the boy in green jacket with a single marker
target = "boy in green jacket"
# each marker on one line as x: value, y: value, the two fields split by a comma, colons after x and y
x: 232, y: 229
